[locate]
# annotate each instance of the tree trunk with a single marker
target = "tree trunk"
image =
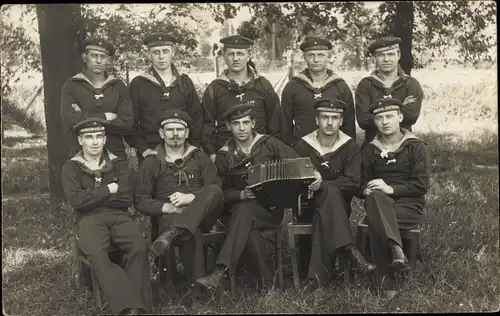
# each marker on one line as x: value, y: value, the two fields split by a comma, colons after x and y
x: 273, y: 41
x: 403, y: 27
x: 61, y: 32
x: 358, y: 56
x: 291, y: 64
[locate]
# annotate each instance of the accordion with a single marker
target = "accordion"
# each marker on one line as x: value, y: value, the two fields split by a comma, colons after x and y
x: 277, y: 184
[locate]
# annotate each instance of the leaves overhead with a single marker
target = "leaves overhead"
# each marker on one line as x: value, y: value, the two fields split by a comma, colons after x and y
x: 19, y: 52
x: 438, y: 26
x: 126, y: 30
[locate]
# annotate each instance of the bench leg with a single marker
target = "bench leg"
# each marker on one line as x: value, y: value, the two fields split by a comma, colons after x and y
x: 96, y: 290
x: 374, y: 259
x: 279, y: 258
x: 170, y: 268
x: 232, y: 279
x: 412, y: 255
x: 361, y: 240
x: 344, y: 266
x: 294, y: 255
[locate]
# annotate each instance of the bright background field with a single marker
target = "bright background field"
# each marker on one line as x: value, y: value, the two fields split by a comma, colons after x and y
x: 459, y: 271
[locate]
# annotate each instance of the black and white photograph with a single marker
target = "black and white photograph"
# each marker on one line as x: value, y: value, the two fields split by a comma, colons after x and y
x: 250, y: 158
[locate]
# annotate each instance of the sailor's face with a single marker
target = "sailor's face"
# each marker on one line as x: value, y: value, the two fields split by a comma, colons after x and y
x: 92, y: 143
x: 236, y: 58
x: 161, y: 56
x: 388, y: 122
x: 316, y: 60
x: 96, y: 61
x: 174, y: 134
x: 242, y: 128
x: 329, y: 123
x: 387, y: 61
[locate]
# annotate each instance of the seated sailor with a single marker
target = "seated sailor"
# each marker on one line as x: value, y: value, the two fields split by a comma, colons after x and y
x: 179, y: 183
x: 337, y: 158
x: 96, y: 183
x: 243, y: 149
x: 395, y: 180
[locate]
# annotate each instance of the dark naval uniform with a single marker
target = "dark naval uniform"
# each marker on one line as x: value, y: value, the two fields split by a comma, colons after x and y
x: 406, y: 171
x: 340, y: 169
x: 371, y: 88
x: 223, y: 93
x: 196, y: 174
x: 150, y: 97
x: 246, y: 215
x: 102, y: 218
x: 81, y: 100
x: 299, y: 96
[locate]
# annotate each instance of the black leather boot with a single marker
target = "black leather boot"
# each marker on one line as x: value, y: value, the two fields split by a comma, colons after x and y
x: 215, y: 278
x: 399, y: 261
x: 359, y: 261
x: 165, y: 240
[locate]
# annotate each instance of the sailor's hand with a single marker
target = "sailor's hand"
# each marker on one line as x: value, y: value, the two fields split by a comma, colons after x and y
x: 179, y: 199
x: 113, y: 187
x: 247, y: 194
x: 169, y: 208
x: 317, y: 183
x: 110, y: 116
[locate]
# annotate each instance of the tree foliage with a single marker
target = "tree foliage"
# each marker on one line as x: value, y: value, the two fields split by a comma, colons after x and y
x: 440, y: 25
x: 294, y: 21
x: 19, y: 52
x: 435, y: 25
x: 126, y: 30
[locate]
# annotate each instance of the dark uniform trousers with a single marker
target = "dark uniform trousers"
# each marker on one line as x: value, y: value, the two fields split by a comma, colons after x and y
x: 246, y: 217
x: 125, y: 286
x: 198, y: 217
x: 331, y: 230
x: 386, y: 216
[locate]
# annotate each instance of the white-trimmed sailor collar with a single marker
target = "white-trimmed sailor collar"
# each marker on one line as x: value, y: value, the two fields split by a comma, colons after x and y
x: 81, y: 76
x: 186, y: 153
x: 251, y: 72
x: 383, y: 151
x: 256, y: 138
x: 150, y: 77
x: 332, y: 76
x: 401, y: 74
x: 79, y: 158
x: 312, y: 140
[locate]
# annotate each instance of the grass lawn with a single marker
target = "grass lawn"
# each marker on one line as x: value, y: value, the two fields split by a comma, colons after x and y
x: 460, y: 247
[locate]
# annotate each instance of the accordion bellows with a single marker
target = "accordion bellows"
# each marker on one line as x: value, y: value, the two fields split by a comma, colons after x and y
x: 277, y: 184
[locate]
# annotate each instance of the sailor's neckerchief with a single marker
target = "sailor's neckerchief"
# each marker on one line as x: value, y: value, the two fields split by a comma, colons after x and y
x: 104, y: 165
x: 234, y: 157
x: 390, y: 155
x: 181, y: 170
x: 305, y: 77
x: 312, y: 140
